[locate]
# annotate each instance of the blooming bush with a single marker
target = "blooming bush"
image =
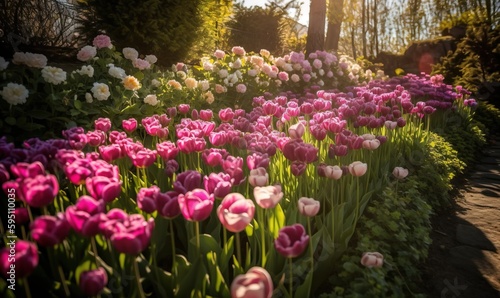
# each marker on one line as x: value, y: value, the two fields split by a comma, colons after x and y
x: 216, y: 202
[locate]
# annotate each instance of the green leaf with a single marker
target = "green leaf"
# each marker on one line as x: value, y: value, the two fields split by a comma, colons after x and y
x: 226, y: 254
x: 217, y: 282
x: 276, y: 220
x: 207, y: 244
x: 78, y: 104
x: 10, y: 120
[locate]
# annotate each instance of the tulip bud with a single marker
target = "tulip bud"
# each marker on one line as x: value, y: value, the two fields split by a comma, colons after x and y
x: 292, y: 241
x: 400, y: 173
x: 308, y: 207
x: 372, y: 259
x: 92, y: 282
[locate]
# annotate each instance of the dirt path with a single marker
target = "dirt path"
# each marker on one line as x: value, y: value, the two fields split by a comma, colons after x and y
x: 464, y: 259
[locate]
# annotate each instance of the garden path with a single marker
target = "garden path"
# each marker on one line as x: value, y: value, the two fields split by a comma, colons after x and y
x: 464, y: 259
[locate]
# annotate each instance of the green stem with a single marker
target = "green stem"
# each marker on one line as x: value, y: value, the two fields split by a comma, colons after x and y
x: 290, y: 285
x: 138, y: 279
x: 26, y: 287
x: 172, y: 243
x: 197, y: 233
x: 115, y: 266
x: 94, y: 250
x: 310, y: 243
x: 63, y: 281
x: 238, y: 248
x: 262, y: 235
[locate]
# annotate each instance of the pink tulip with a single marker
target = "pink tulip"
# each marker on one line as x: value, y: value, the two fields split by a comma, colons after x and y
x: 183, y: 109
x: 25, y: 262
x: 235, y: 212
x: 372, y: 259
x: 298, y: 168
x: 143, y: 158
x: 92, y: 282
x: 39, y: 191
x: 226, y: 114
x: 196, y: 205
x: 129, y: 125
x: 268, y: 196
x: 400, y: 173
x: 358, y: 168
x: 129, y: 235
x: 22, y: 215
x: 206, y: 115
x: 78, y: 171
x: 296, y: 131
x: 258, y: 177
x: 255, y: 283
x: 96, y: 138
x: 257, y: 160
x: 218, y: 184
x: 171, y: 167
x: 292, y: 241
x: 308, y: 207
x: 103, y: 124
x: 371, y: 144
x: 167, y: 150
x: 50, y: 230
x: 27, y: 170
x: 103, y: 188
x: 213, y: 157
x: 111, y: 152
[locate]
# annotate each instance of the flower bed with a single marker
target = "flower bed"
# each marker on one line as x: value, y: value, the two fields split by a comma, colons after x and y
x: 164, y: 197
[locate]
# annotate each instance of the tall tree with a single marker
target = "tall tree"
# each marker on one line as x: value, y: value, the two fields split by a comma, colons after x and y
x: 335, y: 19
x: 316, y: 30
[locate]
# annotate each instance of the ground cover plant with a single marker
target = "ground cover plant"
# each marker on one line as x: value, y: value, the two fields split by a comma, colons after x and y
x: 247, y: 175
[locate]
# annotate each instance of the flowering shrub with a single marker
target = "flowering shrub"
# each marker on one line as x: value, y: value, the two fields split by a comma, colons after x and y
x: 218, y: 202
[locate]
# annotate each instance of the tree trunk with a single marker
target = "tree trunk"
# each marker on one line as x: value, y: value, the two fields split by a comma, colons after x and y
x: 335, y: 18
x: 316, y: 30
x: 353, y: 44
x: 363, y: 26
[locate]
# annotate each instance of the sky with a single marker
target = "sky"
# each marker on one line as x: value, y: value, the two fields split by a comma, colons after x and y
x: 304, y: 9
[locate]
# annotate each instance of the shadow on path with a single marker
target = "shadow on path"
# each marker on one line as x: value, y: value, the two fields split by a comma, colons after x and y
x: 464, y: 259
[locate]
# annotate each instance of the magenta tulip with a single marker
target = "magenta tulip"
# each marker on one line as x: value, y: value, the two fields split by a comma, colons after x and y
x: 103, y: 188
x: 255, y: 283
x: 292, y: 241
x: 27, y: 170
x: 218, y: 184
x: 103, y: 124
x: 167, y: 150
x: 22, y: 215
x: 187, y: 181
x: 196, y: 205
x: 235, y: 212
x: 39, y: 191
x: 26, y: 259
x: 129, y: 125
x: 49, y: 230
x: 85, y: 216
x: 146, y: 198
x: 167, y: 204
x: 143, y: 158
x: 92, y: 282
x: 111, y: 152
x: 129, y: 235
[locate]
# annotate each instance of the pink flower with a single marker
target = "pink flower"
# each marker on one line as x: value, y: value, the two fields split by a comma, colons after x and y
x: 226, y: 114
x: 292, y: 241
x: 141, y: 64
x: 50, y: 230
x: 39, y: 191
x: 103, y: 188
x: 255, y: 283
x: 296, y: 131
x: 111, y: 152
x: 206, y: 115
x: 167, y: 150
x: 92, y: 282
x: 257, y: 159
x: 184, y: 108
x: 258, y: 177
x: 167, y: 204
x: 235, y: 212
x: 102, y: 41
x: 219, y: 54
x: 238, y: 51
x: 103, y: 124
x: 146, y: 198
x: 196, y: 205
x: 308, y: 207
x: 213, y: 157
x: 26, y: 259
x: 400, y: 173
x: 86, y: 53
x: 22, y: 215
x: 241, y: 88
x: 298, y: 168
x: 371, y: 144
x: 267, y: 196
x: 358, y: 168
x: 187, y: 181
x: 129, y: 125
x: 143, y: 158
x: 85, y: 216
x: 129, y: 234
x: 218, y: 184
x: 372, y: 259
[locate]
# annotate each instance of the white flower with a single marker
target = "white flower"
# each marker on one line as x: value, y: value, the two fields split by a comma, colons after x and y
x: 53, y: 75
x: 14, y: 93
x: 151, y: 59
x: 3, y: 64
x: 241, y: 88
x: 151, y: 99
x: 88, y: 97
x: 208, y: 66
x: 117, y: 72
x: 252, y: 72
x: 130, y: 53
x: 223, y: 73
x: 100, y: 91
x: 87, y: 70
x: 204, y: 85
x: 30, y: 59
x: 295, y: 78
x: 288, y: 67
x: 155, y: 83
x: 236, y: 64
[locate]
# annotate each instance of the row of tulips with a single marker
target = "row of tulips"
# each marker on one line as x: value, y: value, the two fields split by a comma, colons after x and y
x: 214, y: 203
